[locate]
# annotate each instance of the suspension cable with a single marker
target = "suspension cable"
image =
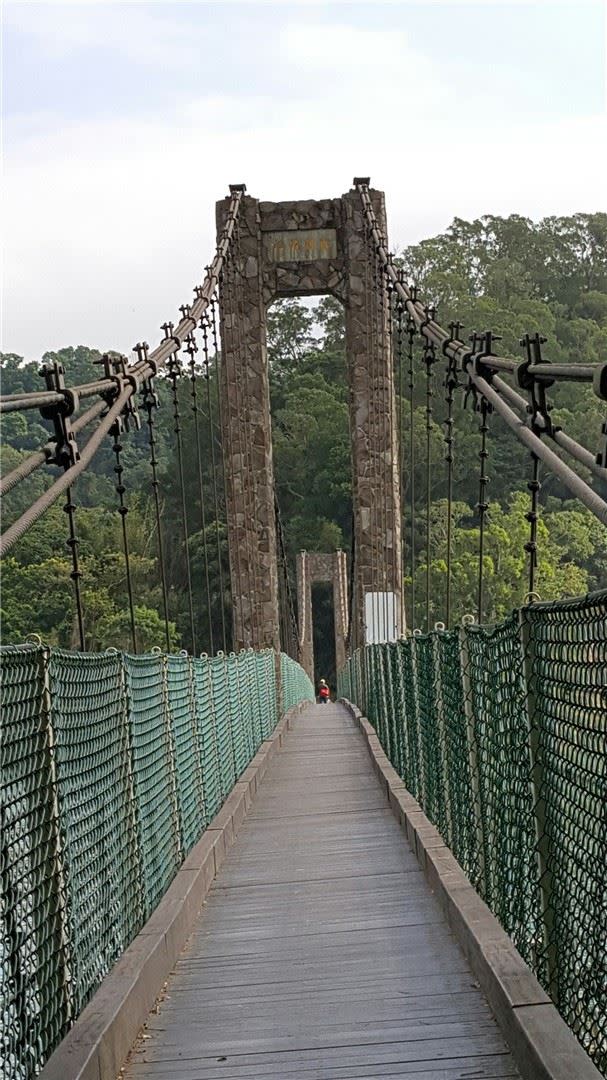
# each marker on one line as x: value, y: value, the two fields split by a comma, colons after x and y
x: 123, y: 511
x: 174, y: 373
x: 432, y: 331
x: 482, y: 504
x: 532, y: 515
x: 411, y: 331
x: 150, y: 403
x: 72, y: 543
x: 429, y: 358
x: 451, y: 383
x: 213, y: 324
x: 121, y: 388
x: 191, y: 348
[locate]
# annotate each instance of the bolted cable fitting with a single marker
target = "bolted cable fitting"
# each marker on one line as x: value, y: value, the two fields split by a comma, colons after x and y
x: 66, y: 451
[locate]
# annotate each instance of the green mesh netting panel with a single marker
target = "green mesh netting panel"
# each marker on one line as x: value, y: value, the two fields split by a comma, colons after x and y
x: 245, y: 663
x: 223, y: 727
x: 266, y: 692
x: 493, y: 667
x: 235, y: 713
x: 188, y: 769
x: 207, y: 736
x: 412, y: 773
x: 296, y: 686
x: 286, y: 682
x: 154, y: 774
x: 256, y: 720
x: 35, y: 987
x: 566, y: 655
x: 428, y: 703
x: 96, y: 812
x: 461, y: 807
x: 396, y: 707
x: 500, y: 733
x: 111, y: 767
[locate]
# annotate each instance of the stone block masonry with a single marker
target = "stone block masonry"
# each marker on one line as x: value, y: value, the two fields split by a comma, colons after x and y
x: 305, y: 248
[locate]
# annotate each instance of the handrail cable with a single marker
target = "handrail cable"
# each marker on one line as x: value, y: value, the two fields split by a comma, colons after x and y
x: 124, y: 386
x: 470, y: 362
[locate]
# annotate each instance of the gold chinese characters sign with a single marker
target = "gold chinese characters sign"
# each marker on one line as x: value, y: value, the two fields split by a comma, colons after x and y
x: 305, y: 245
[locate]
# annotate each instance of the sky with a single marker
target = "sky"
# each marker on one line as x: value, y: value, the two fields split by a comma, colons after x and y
x: 123, y: 123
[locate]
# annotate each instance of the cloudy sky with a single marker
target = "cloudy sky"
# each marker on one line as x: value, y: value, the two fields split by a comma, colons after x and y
x: 124, y: 122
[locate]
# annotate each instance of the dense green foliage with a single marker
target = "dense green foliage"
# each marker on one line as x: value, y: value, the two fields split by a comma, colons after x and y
x: 508, y: 275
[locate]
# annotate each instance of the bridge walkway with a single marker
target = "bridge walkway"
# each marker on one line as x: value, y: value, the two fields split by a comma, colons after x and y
x: 321, y: 952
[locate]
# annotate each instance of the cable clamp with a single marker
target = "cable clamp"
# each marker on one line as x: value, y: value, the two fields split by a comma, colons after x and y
x: 538, y: 407
x: 167, y: 329
x: 472, y: 361
x: 66, y: 451
x: 451, y: 380
x: 116, y: 369
x: 143, y: 357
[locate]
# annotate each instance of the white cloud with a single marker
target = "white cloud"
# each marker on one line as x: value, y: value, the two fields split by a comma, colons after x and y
x: 134, y: 30
x: 112, y: 221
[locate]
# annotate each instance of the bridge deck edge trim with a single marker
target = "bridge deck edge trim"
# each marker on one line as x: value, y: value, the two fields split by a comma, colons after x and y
x: 98, y: 1044
x: 543, y: 1046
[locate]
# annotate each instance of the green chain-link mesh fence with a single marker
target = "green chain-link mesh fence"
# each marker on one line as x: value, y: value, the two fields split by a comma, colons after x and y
x: 296, y: 686
x: 112, y: 766
x: 501, y: 735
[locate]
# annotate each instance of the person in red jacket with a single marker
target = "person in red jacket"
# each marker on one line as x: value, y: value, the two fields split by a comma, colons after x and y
x: 323, y: 692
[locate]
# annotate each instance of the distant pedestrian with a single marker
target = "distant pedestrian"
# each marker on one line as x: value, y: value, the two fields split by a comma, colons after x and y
x: 323, y: 692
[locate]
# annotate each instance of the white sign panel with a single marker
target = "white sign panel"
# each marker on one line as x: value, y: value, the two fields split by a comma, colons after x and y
x: 381, y: 620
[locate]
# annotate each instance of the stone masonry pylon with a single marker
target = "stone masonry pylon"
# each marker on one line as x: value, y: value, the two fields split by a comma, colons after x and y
x: 313, y: 567
x: 307, y: 248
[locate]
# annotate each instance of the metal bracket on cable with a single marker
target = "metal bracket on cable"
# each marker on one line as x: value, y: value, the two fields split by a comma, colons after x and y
x: 455, y: 329
x: 451, y: 380
x: 167, y: 329
x: 66, y: 451
x: 430, y: 356
x: 482, y: 347
x: 116, y: 369
x: 142, y: 351
x: 538, y: 407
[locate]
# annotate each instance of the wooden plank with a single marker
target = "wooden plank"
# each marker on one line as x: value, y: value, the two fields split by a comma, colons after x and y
x: 321, y: 951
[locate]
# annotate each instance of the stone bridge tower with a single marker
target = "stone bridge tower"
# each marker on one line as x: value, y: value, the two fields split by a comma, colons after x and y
x: 308, y: 248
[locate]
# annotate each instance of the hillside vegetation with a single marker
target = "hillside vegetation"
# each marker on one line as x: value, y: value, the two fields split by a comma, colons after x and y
x: 508, y: 275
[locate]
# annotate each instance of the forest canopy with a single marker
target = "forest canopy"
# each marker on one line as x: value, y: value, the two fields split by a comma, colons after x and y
x: 509, y: 275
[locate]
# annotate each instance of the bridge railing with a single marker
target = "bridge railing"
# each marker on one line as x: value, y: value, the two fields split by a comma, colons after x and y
x: 112, y: 767
x: 499, y: 733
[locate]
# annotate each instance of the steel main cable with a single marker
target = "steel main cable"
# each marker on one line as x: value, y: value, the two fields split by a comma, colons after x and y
x: 470, y: 362
x: 124, y: 386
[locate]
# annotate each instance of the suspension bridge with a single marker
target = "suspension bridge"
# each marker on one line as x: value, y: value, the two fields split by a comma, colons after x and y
x: 206, y: 875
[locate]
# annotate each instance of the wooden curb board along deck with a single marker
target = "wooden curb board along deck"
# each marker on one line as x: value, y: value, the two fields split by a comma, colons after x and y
x: 321, y: 951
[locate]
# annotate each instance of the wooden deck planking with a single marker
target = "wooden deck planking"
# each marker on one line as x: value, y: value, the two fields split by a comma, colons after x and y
x: 321, y: 952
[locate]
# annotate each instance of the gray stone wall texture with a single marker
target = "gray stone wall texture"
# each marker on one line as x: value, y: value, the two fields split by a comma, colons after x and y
x: 315, y: 567
x: 305, y: 248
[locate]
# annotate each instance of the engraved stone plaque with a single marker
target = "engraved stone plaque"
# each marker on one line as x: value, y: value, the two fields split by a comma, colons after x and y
x: 300, y: 245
